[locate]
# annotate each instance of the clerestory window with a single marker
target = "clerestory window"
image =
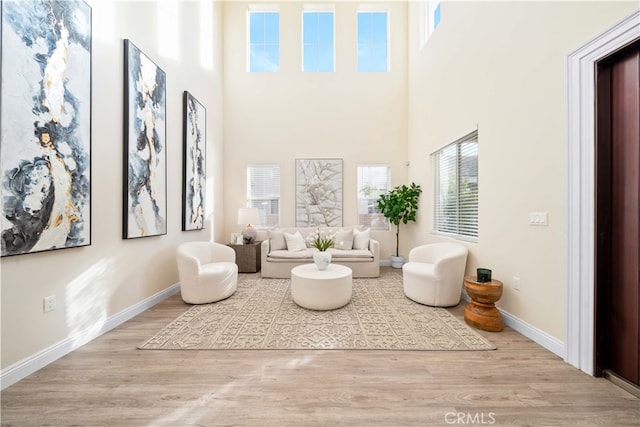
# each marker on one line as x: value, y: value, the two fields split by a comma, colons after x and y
x: 263, y: 50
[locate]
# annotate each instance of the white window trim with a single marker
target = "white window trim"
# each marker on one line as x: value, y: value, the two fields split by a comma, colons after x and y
x: 454, y: 140
x: 255, y: 8
x: 456, y: 236
x: 248, y: 193
x: 428, y: 9
x: 579, y: 219
x: 263, y: 7
x: 389, y: 187
x: 372, y: 8
x: 317, y: 8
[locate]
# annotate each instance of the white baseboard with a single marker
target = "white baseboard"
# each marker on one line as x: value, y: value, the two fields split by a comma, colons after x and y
x: 547, y: 341
x: 25, y: 367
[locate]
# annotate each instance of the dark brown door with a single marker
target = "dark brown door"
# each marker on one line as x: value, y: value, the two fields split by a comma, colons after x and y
x: 618, y: 214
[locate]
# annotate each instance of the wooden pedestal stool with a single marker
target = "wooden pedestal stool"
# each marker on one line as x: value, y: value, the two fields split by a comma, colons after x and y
x: 482, y: 312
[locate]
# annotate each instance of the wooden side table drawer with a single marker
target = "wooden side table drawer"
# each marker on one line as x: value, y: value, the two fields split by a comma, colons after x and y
x: 247, y: 257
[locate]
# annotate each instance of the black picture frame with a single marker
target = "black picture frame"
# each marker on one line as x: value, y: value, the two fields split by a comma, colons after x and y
x: 194, y: 163
x: 45, y: 117
x: 145, y: 136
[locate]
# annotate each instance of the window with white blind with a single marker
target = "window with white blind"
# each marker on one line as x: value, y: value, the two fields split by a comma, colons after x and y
x: 373, y: 180
x: 263, y: 192
x: 456, y: 188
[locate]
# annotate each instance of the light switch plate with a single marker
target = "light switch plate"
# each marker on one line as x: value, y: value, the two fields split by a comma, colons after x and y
x: 538, y: 218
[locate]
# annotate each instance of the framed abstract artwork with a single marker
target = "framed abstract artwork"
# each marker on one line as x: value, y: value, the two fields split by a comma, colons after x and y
x: 194, y: 163
x: 45, y: 136
x: 145, y: 153
x: 319, y: 192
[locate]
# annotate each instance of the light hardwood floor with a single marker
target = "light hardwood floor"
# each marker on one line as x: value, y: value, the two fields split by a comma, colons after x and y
x: 108, y: 382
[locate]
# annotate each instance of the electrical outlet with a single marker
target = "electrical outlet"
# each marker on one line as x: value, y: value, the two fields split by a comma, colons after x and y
x: 516, y: 283
x: 49, y: 303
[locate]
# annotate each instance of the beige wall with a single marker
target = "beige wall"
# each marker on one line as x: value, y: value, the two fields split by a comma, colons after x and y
x: 279, y: 117
x: 500, y: 66
x: 93, y: 283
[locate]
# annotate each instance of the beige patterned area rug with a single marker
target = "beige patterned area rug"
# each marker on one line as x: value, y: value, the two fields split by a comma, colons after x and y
x: 262, y: 315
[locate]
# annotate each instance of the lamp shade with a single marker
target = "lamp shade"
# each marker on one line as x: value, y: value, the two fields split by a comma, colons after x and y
x: 248, y: 216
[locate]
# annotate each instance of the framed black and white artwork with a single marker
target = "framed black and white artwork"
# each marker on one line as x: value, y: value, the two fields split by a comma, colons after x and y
x: 45, y: 139
x: 194, y: 163
x: 145, y: 153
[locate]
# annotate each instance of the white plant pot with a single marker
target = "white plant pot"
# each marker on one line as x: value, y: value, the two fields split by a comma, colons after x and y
x: 397, y: 261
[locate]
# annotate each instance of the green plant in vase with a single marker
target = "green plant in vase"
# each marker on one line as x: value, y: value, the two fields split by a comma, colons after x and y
x: 321, y: 241
x: 400, y: 205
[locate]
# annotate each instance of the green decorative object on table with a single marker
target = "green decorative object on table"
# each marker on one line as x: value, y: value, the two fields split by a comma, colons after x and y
x: 321, y: 241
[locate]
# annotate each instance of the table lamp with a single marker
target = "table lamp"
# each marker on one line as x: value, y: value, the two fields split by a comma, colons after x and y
x: 247, y: 216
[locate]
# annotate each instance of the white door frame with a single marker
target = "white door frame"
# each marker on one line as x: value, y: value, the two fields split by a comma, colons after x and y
x: 580, y: 188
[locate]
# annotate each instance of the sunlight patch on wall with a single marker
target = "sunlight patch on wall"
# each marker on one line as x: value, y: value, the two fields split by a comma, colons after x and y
x: 104, y: 22
x: 87, y: 299
x: 206, y: 34
x: 210, y: 205
x: 209, y: 201
x: 168, y: 19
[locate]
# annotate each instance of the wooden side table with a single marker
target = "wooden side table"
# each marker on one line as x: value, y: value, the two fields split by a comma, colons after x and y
x: 482, y: 312
x: 247, y: 257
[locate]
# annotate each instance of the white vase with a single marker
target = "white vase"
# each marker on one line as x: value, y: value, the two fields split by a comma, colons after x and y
x: 397, y: 261
x: 322, y: 259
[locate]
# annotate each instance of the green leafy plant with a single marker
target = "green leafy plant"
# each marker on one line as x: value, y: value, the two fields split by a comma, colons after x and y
x: 321, y: 241
x: 400, y: 206
x: 368, y: 189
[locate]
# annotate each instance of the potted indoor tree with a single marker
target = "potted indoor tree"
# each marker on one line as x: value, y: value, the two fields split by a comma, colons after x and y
x: 400, y: 205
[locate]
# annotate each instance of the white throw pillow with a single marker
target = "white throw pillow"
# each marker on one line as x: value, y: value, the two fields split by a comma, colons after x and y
x: 295, y: 242
x: 276, y: 241
x: 361, y: 239
x: 344, y: 240
x: 306, y: 232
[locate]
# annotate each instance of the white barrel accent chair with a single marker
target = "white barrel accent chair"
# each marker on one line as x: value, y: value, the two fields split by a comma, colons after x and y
x: 207, y: 272
x: 434, y: 274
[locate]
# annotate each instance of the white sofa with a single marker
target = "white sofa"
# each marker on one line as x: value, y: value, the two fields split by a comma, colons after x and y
x: 277, y: 259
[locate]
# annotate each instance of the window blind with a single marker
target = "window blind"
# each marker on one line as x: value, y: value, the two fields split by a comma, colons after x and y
x: 263, y: 192
x: 456, y: 187
x: 372, y: 181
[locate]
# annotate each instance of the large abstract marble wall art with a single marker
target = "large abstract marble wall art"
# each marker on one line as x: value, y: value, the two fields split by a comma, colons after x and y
x: 45, y: 136
x: 319, y: 192
x: 194, y: 164
x: 145, y: 160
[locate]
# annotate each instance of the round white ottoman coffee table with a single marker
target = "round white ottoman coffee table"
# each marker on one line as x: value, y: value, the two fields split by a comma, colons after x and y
x: 321, y: 290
